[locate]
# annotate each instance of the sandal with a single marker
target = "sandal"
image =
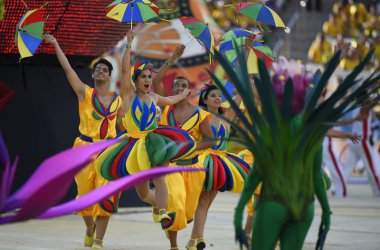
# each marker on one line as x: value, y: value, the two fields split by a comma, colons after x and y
x: 98, y: 244
x: 89, y: 240
x: 201, y: 244
x: 156, y: 217
x: 192, y: 247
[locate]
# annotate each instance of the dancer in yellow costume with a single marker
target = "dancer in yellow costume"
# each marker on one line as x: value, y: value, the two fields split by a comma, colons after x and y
x: 98, y: 109
x: 145, y: 145
x: 225, y: 171
x: 184, y: 188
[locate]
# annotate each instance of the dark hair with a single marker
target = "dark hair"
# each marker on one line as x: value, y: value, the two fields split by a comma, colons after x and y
x: 204, y: 94
x: 106, y: 62
x: 180, y: 78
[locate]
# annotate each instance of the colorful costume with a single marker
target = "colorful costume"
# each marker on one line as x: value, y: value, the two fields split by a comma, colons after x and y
x: 184, y: 189
x: 97, y: 123
x: 225, y: 171
x: 144, y: 145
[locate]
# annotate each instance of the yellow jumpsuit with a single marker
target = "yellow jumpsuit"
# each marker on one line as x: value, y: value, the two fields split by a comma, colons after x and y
x: 184, y: 188
x: 97, y: 123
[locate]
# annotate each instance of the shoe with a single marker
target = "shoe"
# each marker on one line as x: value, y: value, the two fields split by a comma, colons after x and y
x: 193, y: 247
x: 174, y: 248
x: 163, y: 216
x: 89, y: 240
x: 97, y: 245
x: 156, y: 217
x: 188, y: 247
x: 201, y: 244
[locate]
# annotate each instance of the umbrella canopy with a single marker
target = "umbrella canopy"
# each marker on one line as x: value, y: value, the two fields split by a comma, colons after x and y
x: 29, y: 32
x: 200, y: 31
x: 234, y: 34
x: 132, y: 11
x: 260, y: 12
x: 261, y: 51
x: 258, y: 50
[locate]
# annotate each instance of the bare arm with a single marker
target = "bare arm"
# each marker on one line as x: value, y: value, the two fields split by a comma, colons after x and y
x: 339, y: 134
x: 127, y: 87
x: 230, y: 113
x: 208, y: 136
x: 170, y: 100
x: 248, y: 44
x: 157, y: 80
x: 77, y: 85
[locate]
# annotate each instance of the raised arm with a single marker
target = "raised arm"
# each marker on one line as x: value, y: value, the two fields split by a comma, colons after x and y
x: 157, y: 80
x: 339, y: 134
x: 170, y: 100
x: 77, y: 85
x: 127, y: 87
x: 248, y: 45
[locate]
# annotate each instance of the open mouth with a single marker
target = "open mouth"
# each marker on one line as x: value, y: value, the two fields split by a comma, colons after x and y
x: 146, y: 86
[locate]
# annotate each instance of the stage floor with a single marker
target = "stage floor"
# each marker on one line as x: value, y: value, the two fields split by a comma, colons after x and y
x: 355, y: 225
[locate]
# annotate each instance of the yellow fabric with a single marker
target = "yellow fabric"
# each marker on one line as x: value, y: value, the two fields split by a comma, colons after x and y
x: 349, y: 63
x: 89, y: 125
x: 332, y: 29
x: 320, y: 53
x: 133, y: 129
x: 185, y: 188
x: 87, y: 179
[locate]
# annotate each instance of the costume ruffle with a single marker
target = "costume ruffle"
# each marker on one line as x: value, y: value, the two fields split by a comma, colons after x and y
x: 134, y: 154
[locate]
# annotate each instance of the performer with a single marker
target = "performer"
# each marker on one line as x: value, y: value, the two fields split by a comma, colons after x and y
x: 225, y: 171
x: 184, y: 188
x: 145, y: 144
x: 98, y: 109
x: 364, y: 150
x: 331, y: 161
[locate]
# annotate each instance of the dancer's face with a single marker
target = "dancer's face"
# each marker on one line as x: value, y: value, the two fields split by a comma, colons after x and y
x: 101, y: 73
x: 213, y: 99
x: 179, y: 85
x: 144, y: 81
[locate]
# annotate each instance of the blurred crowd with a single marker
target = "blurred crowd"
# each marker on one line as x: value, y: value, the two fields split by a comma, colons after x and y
x: 350, y: 20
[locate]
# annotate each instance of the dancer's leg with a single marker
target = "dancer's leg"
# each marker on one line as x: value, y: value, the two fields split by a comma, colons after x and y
x: 294, y: 233
x: 200, y: 217
x: 269, y: 220
x: 161, y: 192
x: 145, y: 193
x: 336, y: 169
x: 101, y: 227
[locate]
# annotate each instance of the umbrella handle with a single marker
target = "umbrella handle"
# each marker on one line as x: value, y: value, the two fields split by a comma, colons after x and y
x: 189, y: 41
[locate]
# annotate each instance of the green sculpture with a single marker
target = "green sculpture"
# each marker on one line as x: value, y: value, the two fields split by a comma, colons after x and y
x: 287, y: 150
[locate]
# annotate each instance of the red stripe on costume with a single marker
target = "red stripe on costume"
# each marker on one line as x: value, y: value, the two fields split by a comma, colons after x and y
x: 337, y: 167
x: 367, y: 153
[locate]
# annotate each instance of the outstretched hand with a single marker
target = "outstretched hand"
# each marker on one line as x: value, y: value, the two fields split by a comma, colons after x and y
x: 178, y: 52
x: 186, y: 92
x: 248, y: 42
x: 324, y: 227
x: 240, y: 235
x: 344, y: 49
x: 50, y: 39
x: 354, y: 138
